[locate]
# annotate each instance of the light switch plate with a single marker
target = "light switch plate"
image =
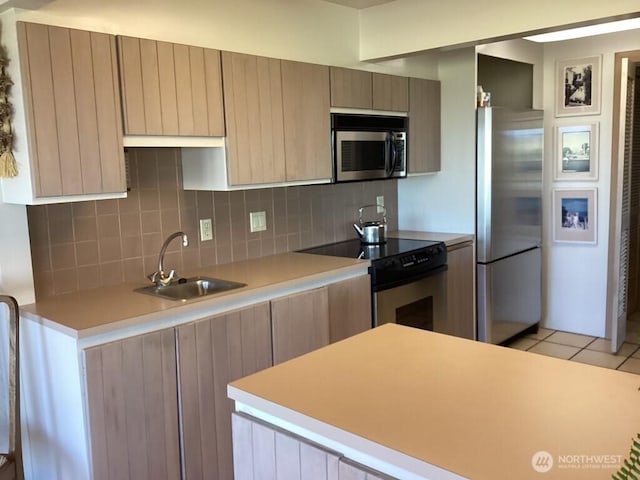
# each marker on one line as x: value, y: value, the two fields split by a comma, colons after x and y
x: 258, y: 221
x: 380, y: 203
x: 206, y: 229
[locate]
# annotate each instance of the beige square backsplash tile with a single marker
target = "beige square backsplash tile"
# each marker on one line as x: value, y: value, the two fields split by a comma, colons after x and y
x: 111, y: 241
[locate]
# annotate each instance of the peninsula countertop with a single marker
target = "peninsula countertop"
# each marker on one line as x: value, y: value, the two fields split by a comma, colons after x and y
x: 444, y: 407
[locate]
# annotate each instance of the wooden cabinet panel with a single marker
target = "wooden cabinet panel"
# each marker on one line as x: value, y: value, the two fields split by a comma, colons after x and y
x: 300, y: 323
x: 73, y: 116
x: 260, y: 451
x: 307, y: 123
x: 214, y: 352
x: 424, y: 125
x: 349, y: 307
x: 351, y: 88
x: 133, y: 410
x: 254, y: 118
x: 461, y: 290
x: 170, y: 89
x: 390, y: 92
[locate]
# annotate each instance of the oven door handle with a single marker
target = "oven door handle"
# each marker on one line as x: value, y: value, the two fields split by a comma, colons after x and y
x: 404, y: 280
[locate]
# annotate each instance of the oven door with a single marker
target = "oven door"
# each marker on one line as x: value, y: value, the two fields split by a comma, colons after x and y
x: 419, y: 304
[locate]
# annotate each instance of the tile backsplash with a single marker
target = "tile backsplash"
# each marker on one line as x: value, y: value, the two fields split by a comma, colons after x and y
x: 82, y: 245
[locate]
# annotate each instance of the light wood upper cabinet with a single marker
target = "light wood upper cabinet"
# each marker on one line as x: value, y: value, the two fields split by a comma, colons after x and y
x: 300, y: 323
x: 133, y: 408
x: 170, y: 89
x: 349, y: 307
x: 254, y: 119
x: 70, y: 84
x: 307, y: 122
x: 390, y: 92
x: 351, y: 88
x: 424, y: 126
x: 214, y: 352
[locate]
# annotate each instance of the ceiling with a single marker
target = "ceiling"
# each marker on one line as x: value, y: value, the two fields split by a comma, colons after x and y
x: 360, y: 4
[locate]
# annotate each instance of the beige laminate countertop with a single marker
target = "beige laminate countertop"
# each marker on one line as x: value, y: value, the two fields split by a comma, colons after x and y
x: 450, y: 239
x: 103, y: 310
x: 420, y: 399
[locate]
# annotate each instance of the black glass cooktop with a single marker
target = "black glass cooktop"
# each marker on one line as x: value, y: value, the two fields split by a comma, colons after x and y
x: 356, y: 249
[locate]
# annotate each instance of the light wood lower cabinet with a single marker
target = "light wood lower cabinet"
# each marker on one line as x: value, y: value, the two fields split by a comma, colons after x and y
x: 138, y: 427
x: 461, y: 290
x: 349, y: 307
x: 212, y: 353
x: 300, y: 323
x: 133, y: 408
x: 264, y: 451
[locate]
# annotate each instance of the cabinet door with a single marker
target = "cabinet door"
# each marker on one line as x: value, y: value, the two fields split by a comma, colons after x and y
x: 214, y: 352
x: 307, y: 122
x: 424, y: 125
x: 133, y: 408
x: 170, y: 89
x: 349, y: 307
x: 351, y: 88
x: 254, y: 119
x: 300, y: 324
x: 73, y: 110
x: 461, y: 290
x: 261, y: 451
x: 390, y: 92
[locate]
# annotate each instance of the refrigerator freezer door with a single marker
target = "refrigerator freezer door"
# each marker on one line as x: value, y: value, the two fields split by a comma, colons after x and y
x: 509, y: 296
x: 510, y: 149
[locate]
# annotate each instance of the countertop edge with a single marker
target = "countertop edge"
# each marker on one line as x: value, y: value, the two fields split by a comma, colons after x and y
x: 354, y: 447
x: 449, y: 239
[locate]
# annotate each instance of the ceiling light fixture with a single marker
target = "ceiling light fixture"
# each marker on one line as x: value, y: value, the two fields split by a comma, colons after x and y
x: 587, y: 31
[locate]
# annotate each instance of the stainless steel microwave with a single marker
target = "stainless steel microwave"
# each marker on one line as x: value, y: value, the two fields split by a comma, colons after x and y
x: 368, y: 147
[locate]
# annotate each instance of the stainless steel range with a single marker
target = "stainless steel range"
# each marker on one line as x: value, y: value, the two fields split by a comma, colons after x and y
x: 408, y: 279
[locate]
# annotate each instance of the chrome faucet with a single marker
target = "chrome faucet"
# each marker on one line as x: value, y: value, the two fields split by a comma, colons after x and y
x: 160, y: 278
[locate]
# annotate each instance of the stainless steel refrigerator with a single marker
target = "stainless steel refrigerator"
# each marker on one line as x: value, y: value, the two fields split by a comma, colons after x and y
x: 509, y: 222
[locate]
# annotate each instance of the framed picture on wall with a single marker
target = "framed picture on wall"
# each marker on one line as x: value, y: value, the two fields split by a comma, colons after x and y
x: 576, y: 152
x: 575, y: 215
x: 578, y: 86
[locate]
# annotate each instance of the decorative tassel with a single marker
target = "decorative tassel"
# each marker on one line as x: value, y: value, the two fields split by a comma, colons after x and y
x: 8, y: 165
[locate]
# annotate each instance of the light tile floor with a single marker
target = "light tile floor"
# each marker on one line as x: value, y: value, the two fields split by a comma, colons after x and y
x: 585, y: 349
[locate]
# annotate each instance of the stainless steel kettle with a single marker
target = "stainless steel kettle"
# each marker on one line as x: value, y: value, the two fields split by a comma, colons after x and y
x: 372, y: 232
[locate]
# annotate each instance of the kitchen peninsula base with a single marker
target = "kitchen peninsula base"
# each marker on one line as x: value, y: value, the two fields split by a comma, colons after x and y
x: 415, y: 404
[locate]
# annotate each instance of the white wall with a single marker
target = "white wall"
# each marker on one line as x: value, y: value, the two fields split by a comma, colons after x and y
x: 421, y: 25
x: 577, y: 274
x: 446, y: 201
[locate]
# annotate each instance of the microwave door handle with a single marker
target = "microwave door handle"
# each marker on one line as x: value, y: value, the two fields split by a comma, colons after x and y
x: 389, y: 154
x: 393, y: 153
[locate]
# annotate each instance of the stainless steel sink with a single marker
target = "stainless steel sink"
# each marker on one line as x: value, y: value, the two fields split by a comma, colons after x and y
x: 188, y: 288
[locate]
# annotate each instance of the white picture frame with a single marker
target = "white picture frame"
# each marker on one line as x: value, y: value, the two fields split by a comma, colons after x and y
x: 575, y: 215
x: 578, y: 86
x: 576, y: 151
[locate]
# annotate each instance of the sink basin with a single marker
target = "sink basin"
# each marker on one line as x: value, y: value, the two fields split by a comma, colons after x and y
x: 194, y: 287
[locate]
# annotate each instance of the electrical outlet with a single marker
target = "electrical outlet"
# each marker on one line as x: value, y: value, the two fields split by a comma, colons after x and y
x: 258, y: 221
x: 380, y: 203
x: 206, y: 229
